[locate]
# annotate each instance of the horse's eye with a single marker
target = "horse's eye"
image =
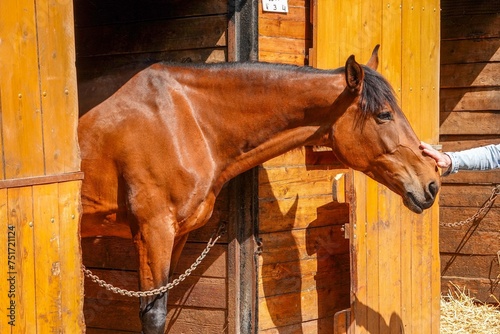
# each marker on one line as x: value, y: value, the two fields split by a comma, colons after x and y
x: 384, y: 116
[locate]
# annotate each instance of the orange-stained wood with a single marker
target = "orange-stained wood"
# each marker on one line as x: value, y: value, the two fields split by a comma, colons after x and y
x: 395, y: 255
x: 41, y: 200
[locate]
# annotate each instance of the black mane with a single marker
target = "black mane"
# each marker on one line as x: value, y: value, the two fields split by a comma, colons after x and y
x: 376, y: 92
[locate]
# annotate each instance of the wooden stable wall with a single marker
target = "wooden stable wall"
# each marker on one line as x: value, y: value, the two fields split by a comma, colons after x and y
x: 286, y: 38
x: 114, y: 40
x: 303, y: 269
x: 470, y: 117
x: 41, y: 282
x: 304, y: 264
x: 395, y: 258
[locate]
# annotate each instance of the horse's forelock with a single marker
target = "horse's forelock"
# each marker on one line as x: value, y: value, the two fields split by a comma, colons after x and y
x: 376, y: 93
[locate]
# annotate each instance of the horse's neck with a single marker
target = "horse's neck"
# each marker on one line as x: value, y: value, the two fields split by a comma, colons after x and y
x: 297, y: 111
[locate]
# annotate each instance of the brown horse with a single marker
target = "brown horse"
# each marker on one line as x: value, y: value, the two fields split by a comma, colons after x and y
x: 156, y: 153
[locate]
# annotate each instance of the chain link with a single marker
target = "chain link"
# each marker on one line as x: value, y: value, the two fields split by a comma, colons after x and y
x: 213, y: 239
x: 486, y: 206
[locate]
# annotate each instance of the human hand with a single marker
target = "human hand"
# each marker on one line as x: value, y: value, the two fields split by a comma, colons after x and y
x: 442, y: 160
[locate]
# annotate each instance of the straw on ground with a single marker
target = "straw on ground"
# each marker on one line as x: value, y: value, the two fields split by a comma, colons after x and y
x: 461, y: 314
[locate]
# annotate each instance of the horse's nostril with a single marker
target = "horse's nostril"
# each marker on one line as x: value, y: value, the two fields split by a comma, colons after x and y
x: 433, y: 189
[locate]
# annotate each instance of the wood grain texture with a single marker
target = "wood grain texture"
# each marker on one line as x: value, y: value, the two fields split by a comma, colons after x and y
x: 410, y: 242
x: 469, y: 118
x: 285, y: 37
x: 39, y: 117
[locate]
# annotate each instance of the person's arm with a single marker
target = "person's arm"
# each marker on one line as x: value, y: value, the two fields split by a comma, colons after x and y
x: 479, y: 158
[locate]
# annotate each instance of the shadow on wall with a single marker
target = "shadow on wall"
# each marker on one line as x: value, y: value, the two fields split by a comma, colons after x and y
x: 375, y: 323
x: 304, y: 264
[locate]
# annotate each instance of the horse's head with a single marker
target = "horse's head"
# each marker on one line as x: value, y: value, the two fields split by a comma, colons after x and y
x: 374, y: 136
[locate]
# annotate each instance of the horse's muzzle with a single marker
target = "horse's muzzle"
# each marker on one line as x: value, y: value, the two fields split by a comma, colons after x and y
x: 417, y: 202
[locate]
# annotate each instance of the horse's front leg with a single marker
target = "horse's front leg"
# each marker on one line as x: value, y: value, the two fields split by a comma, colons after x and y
x: 155, y: 244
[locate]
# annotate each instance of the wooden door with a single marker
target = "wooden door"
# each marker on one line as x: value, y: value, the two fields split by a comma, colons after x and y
x: 39, y: 171
x: 395, y: 279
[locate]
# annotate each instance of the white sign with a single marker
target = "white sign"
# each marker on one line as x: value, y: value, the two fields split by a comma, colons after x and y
x: 277, y: 6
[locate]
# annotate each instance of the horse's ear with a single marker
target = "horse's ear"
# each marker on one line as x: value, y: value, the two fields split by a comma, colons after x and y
x: 354, y: 74
x: 373, y: 62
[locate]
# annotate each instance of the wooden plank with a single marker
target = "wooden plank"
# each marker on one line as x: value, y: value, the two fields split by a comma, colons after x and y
x: 282, y: 58
x: 429, y: 71
x: 290, y: 182
x: 325, y: 34
x: 462, y: 7
x: 410, y: 103
x: 121, y: 254
x: 70, y: 257
x: 489, y: 222
x: 429, y: 132
x: 21, y: 113
x: 58, y: 85
x: 359, y: 257
x: 178, y: 34
x: 271, y: 27
x: 283, y: 45
x: 303, y: 244
x: 112, y: 315
x: 390, y: 221
x: 294, y: 276
x: 469, y: 99
x: 342, y: 322
x: 311, y: 326
x: 450, y: 145
x: 192, y: 292
x: 469, y: 266
x: 471, y: 242
x: 452, y: 196
x: 21, y: 271
x: 111, y: 68
x: 369, y: 23
x: 470, y: 51
x: 470, y: 123
x: 188, y: 320
x: 469, y: 75
x: 47, y: 251
x: 374, y: 275
x: 301, y: 307
x: 284, y: 215
x: 470, y: 26
x: 474, y: 177
x: 90, y: 13
x: 107, y: 252
x: 7, y: 312
x: 23, y: 217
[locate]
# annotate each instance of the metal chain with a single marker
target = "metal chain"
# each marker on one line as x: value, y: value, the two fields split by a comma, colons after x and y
x: 213, y: 239
x: 486, y: 206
